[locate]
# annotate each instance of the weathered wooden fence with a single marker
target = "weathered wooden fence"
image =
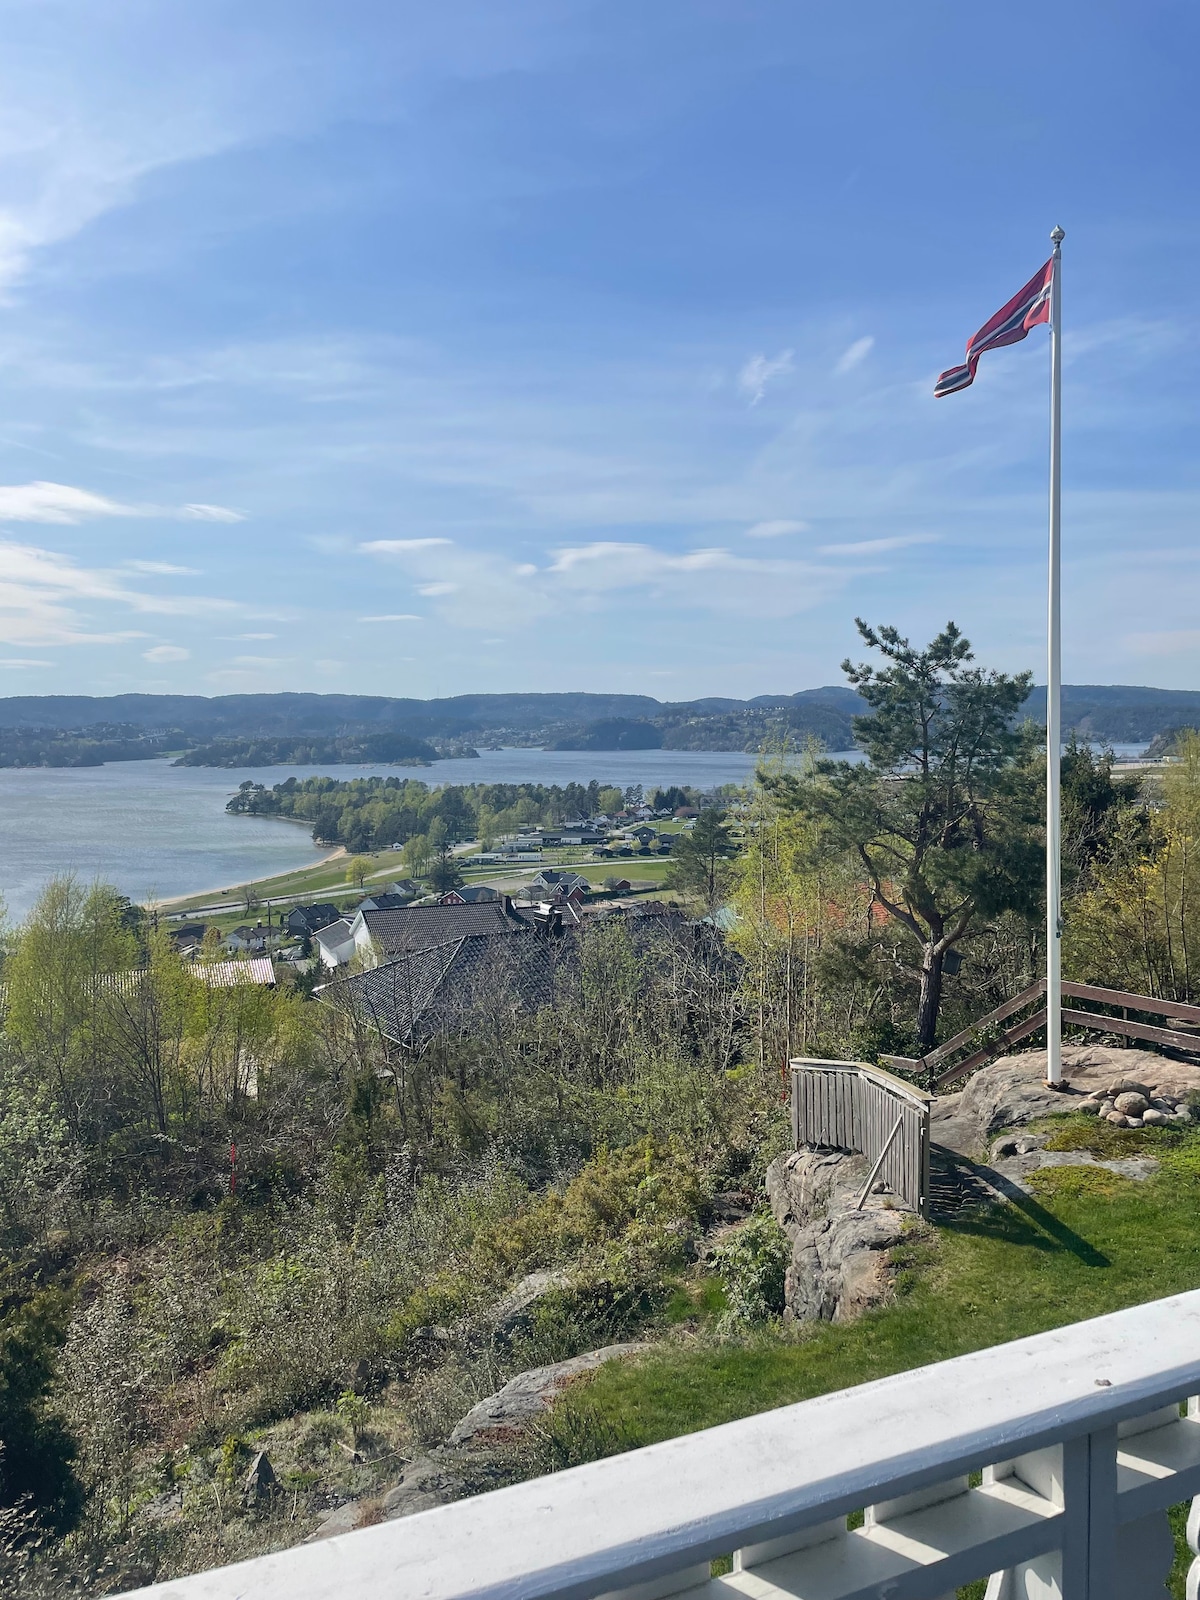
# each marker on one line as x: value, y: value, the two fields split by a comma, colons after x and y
x: 847, y: 1105
x: 995, y: 1040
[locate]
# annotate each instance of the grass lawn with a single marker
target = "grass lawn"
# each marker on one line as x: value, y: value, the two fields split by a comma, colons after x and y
x: 1090, y: 1242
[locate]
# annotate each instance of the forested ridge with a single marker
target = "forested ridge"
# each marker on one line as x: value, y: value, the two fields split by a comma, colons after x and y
x: 1117, y: 713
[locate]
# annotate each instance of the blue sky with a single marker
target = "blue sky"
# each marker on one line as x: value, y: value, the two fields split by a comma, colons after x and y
x: 541, y: 344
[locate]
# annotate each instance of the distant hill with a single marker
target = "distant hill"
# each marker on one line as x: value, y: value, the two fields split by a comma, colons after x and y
x: 600, y: 721
x: 567, y: 721
x: 1121, y: 713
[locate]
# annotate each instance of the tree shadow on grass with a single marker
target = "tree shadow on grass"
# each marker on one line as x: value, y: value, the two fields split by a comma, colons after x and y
x: 1022, y: 1221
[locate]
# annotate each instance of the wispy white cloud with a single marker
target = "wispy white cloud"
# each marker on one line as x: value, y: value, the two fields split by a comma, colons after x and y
x: 42, y: 591
x: 878, y: 547
x: 41, y: 501
x: 55, y: 502
x: 760, y: 370
x: 394, y: 616
x: 474, y: 588
x: 203, y: 513
x: 164, y: 569
x: 20, y: 665
x: 400, y: 547
x: 714, y: 579
x: 166, y: 652
x: 776, y: 528
x: 855, y: 355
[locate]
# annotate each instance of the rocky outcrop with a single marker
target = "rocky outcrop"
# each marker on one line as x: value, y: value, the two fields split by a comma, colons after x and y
x: 519, y: 1305
x: 1014, y: 1158
x: 462, y: 1464
x: 1011, y: 1092
x: 529, y: 1395
x: 839, y: 1263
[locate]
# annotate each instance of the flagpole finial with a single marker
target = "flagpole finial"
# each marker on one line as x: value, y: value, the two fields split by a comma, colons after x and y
x: 1058, y: 236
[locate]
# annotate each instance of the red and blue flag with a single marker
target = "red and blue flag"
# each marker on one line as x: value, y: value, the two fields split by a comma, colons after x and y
x: 1010, y: 324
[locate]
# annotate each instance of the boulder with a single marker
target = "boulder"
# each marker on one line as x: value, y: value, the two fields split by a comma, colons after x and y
x: 1156, y: 1119
x: 527, y: 1396
x: 519, y: 1304
x: 839, y: 1263
x: 1132, y: 1102
x: 260, y: 1482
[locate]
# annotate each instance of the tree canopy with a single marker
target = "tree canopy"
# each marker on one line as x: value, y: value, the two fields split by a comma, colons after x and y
x: 942, y: 816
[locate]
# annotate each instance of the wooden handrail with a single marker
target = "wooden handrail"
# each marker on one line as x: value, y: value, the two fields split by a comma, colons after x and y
x: 1133, y: 1030
x: 1132, y: 1002
x: 936, y: 1057
x: 1009, y: 1036
x: 1089, y: 1019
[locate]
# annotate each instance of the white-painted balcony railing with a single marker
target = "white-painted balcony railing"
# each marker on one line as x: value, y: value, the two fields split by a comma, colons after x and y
x: 1078, y: 1435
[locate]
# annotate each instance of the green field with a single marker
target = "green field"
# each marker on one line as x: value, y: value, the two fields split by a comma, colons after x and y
x: 327, y: 880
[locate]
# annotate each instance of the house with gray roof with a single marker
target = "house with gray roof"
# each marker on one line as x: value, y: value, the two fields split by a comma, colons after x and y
x: 334, y: 945
x: 307, y: 919
x: 551, y: 884
x: 384, y: 934
x: 481, y: 981
x: 457, y: 986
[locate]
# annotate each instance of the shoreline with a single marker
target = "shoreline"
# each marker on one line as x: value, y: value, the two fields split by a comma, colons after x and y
x: 167, y: 901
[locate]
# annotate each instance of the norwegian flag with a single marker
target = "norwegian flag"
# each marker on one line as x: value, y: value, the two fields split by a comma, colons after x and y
x: 1010, y: 324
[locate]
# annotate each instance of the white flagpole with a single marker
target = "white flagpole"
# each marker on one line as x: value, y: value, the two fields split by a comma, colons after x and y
x: 1054, y: 689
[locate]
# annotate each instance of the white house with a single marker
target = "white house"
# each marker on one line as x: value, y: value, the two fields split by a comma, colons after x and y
x: 335, y: 944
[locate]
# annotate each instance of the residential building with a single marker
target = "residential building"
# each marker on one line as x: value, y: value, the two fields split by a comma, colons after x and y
x: 382, y: 935
x: 227, y: 974
x: 555, y: 885
x: 302, y: 920
x: 444, y: 988
x: 551, y: 916
x: 473, y: 977
x: 188, y: 939
x: 335, y: 943
x: 383, y: 902
x: 471, y: 894
x: 248, y: 938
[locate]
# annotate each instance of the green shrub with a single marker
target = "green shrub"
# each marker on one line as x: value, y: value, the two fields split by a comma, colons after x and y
x: 752, y: 1264
x: 36, y: 1451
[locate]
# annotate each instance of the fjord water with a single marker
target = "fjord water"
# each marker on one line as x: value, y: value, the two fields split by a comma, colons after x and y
x: 151, y: 828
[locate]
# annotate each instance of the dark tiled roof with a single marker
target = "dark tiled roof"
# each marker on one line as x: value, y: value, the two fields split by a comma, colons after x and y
x: 569, y: 913
x: 313, y: 917
x: 449, y: 987
x: 423, y: 927
x: 493, y: 979
x: 383, y: 902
